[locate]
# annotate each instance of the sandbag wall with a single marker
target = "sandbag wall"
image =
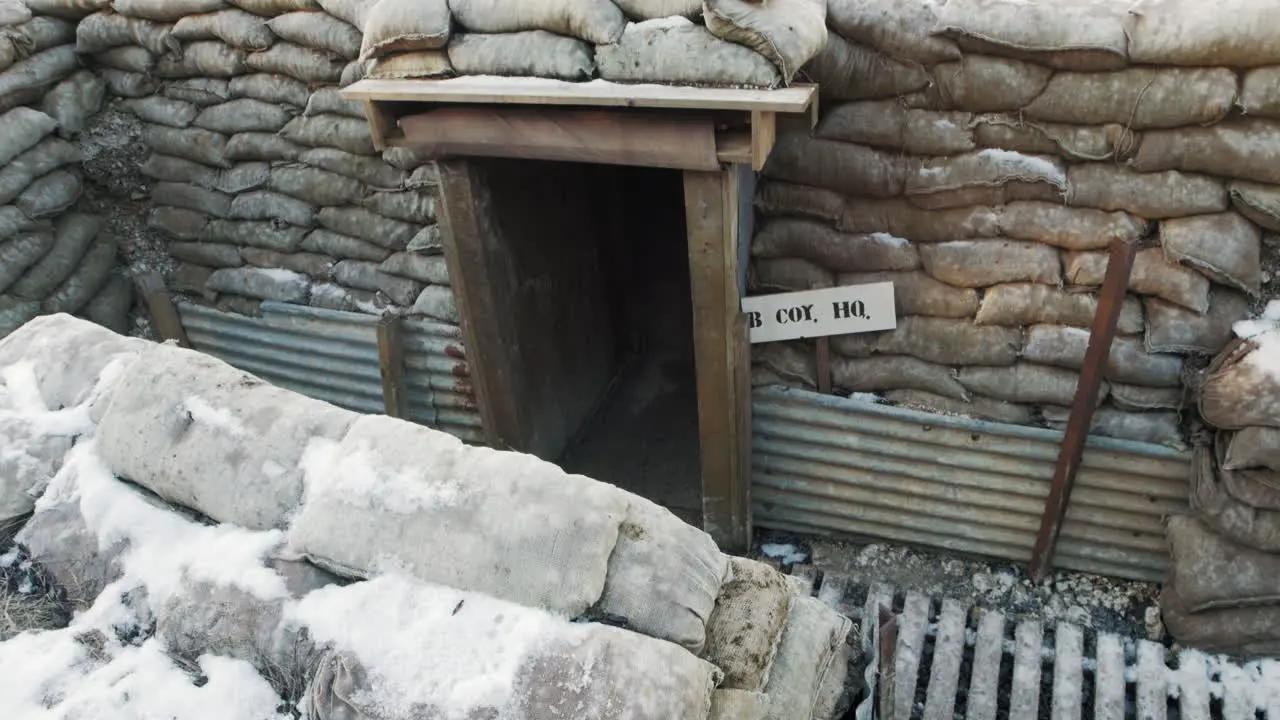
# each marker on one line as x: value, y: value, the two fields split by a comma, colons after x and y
x: 984, y: 155
x: 53, y: 259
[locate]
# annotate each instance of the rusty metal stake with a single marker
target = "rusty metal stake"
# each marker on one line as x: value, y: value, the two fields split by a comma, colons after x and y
x: 1110, y: 301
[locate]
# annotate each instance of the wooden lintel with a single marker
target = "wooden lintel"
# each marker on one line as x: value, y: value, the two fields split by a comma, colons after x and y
x: 395, y: 392
x: 734, y: 147
x: 764, y: 131
x: 168, y: 323
x: 823, y: 350
x: 381, y: 126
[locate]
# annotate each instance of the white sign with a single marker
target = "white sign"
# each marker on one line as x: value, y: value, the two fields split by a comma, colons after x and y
x: 817, y: 313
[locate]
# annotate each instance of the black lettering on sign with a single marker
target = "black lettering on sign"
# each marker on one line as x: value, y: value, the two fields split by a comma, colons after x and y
x: 845, y: 309
x: 753, y: 320
x: 808, y: 313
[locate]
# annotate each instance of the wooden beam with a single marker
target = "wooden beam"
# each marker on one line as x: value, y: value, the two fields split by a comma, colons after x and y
x: 764, y: 132
x: 720, y: 339
x: 168, y: 323
x: 823, y: 350
x: 1110, y: 301
x: 381, y: 126
x: 395, y: 393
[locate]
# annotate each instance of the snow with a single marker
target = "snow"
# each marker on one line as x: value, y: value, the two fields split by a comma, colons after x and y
x: 219, y: 418
x: 787, y: 553
x: 350, y: 476
x: 1266, y: 356
x: 865, y: 397
x: 1017, y: 163
x: 887, y: 239
x: 667, y: 23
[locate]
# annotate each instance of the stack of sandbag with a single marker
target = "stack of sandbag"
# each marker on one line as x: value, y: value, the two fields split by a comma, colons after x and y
x: 52, y: 258
x: 733, y: 43
x: 367, y: 496
x: 983, y: 156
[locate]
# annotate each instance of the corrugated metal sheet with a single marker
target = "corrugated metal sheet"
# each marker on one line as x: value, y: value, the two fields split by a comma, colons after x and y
x: 333, y: 356
x: 829, y: 464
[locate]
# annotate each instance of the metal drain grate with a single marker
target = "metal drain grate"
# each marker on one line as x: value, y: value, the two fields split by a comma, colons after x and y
x: 944, y: 661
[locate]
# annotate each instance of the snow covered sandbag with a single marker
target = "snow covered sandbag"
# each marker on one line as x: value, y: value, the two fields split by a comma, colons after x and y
x: 318, y: 187
x: 70, y: 356
x: 1024, y: 383
x: 977, y: 407
x: 597, y: 21
x: 902, y: 30
x: 746, y: 625
x: 1141, y: 98
x: 305, y: 64
x: 24, y: 129
x: 1152, y: 274
x: 505, y: 524
x: 1128, y: 362
x: 896, y: 372
x: 202, y: 434
x: 899, y: 218
x: 1017, y: 304
x: 677, y: 51
x: 1225, y: 514
x: 261, y: 283
x: 280, y: 89
x: 360, y: 223
x: 336, y: 131
x: 266, y: 234
x: 849, y: 71
x: 887, y: 123
x: 105, y: 30
x: 1068, y: 227
x: 1186, y: 32
x: 532, y: 53
x: 1226, y: 247
x: 488, y: 658
x: 72, y: 101
x: 315, y: 266
x: 985, y: 83
x: 809, y: 655
x: 1171, y: 328
x: 1240, y: 148
x: 1155, y: 428
x: 47, y: 155
x: 1240, y: 387
x: 274, y: 207
x: 985, y: 177
x: 842, y: 167
x: 819, y: 243
x: 60, y: 540
x: 366, y: 276
x: 1088, y: 36
x: 194, y: 144
x: 916, y: 293
x: 342, y: 247
x: 787, y: 32
x: 945, y: 341
x: 432, y: 269
x: 437, y: 301
x: 396, y: 26
x: 981, y: 263
x: 73, y: 234
x: 318, y: 31
x: 35, y: 438
x: 202, y: 59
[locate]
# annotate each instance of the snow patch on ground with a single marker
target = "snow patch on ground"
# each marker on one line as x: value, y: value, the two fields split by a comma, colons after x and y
x: 786, y: 553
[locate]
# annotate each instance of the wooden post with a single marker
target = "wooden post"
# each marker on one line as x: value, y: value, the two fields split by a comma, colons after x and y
x: 722, y: 358
x: 168, y: 323
x: 395, y: 393
x: 1110, y: 301
x: 824, y: 365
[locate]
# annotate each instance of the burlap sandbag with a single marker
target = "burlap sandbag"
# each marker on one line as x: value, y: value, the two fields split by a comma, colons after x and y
x: 1242, y: 632
x: 1152, y: 274
x: 25, y: 81
x: 901, y: 219
x: 45, y: 157
x: 413, y: 206
x: 13, y: 12
x: 193, y: 279
x: 1238, y: 148
x: 343, y: 247
x: 15, y: 313
x: 199, y: 91
x: 597, y: 21
x: 982, y: 263
x: 110, y: 308
x: 667, y: 51
x: 330, y: 100
x: 129, y: 59
x: 916, y: 293
x: 419, y: 64
x: 271, y: 8
x: 1239, y: 388
x: 243, y: 115
x: 747, y: 623
x: 788, y: 32
x: 1087, y: 36
x: 59, y: 538
x: 1129, y: 361
x: 160, y: 110
x: 214, y: 255
x: 397, y: 26
x: 886, y: 123
x: 1260, y: 92
x: 1136, y: 398
x: 532, y: 53
x: 41, y: 33
x: 1171, y: 328
x: 794, y: 363
x: 262, y: 234
x: 1186, y: 32
x: 86, y: 280
x: 318, y: 187
x: 1066, y: 227
x: 981, y: 83
x: 165, y: 10
x: 128, y: 85
x: 305, y: 64
x: 371, y: 171
x: 336, y: 131
x: 277, y: 285
x: 206, y: 58
x: 272, y: 206
x: 13, y: 223
x: 1226, y: 247
x: 833, y: 250
x: 179, y: 223
x: 202, y: 146
x: 1151, y: 195
x: 838, y: 166
x: 73, y: 235
x: 888, y: 372
x: 1212, y: 573
x: 1260, y: 203
x: 51, y: 194
x: 1253, y: 447
x: 1025, y: 383
x: 1093, y: 143
x: 360, y: 223
x: 1235, y: 520
x: 72, y: 101
x: 431, y: 269
x: 24, y: 128
x: 850, y: 71
x: 236, y: 28
x: 985, y: 177
x: 790, y: 274
x: 810, y: 657
x: 738, y: 705
x: 1141, y: 98
x: 242, y: 177
x: 437, y: 301
x: 1016, y: 304
x: 310, y: 264
x: 977, y: 407
x: 1256, y: 487
x: 318, y: 31
x: 902, y: 30
x: 366, y: 276
x: 279, y: 89
x: 1153, y: 428
x: 192, y: 197
x: 657, y: 9
x: 262, y: 147
x: 945, y: 341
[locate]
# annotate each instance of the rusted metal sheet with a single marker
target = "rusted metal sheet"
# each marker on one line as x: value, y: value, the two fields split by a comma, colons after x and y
x: 826, y: 464
x: 333, y: 356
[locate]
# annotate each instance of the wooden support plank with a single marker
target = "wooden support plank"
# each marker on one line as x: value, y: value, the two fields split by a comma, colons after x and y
x: 1068, y: 672
x: 1024, y: 698
x: 395, y: 392
x: 1153, y: 687
x: 823, y: 347
x: 1238, y: 703
x: 764, y: 132
x: 834, y: 594
x: 1193, y: 685
x: 720, y: 342
x: 912, y: 624
x: 734, y: 147
x: 168, y: 323
x: 1110, y: 300
x: 1108, y: 680
x: 984, y: 684
x: 381, y: 126
x: 879, y: 596
x: 806, y: 577
x: 948, y: 652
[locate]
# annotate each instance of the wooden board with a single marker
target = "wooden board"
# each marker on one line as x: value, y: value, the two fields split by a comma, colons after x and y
x: 1153, y: 689
x: 948, y: 652
x: 1108, y: 682
x: 169, y: 325
x: 600, y: 93
x: 1024, y: 698
x: 395, y: 393
x: 912, y: 624
x: 1068, y: 672
x: 984, y: 686
x: 1193, y: 690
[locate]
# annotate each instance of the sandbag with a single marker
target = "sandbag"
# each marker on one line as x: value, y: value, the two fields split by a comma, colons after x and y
x: 165, y: 10
x: 73, y: 234
x: 790, y: 274
x: 812, y: 648
x: 916, y: 293
x: 34, y: 445
x: 1129, y: 361
x: 1151, y: 274
x: 887, y: 123
x: 776, y: 198
x: 199, y: 91
x: 985, y: 177
x: 1244, y: 524
x: 127, y: 84
x: 66, y: 9
x: 102, y: 31
x: 317, y: 187
x: 1086, y: 36
x: 431, y: 269
x: 206, y: 58
x: 1252, y: 447
x: 887, y: 372
x: 1226, y: 247
x: 58, y: 538
x: 1257, y: 487
x: 420, y: 64
x: 305, y: 64
x: 1260, y: 203
x: 20, y: 253
x: 746, y: 625
x: 533, y: 53
x: 51, y: 194
x: 192, y: 197
x: 1260, y: 92
x: 35, y: 73
x: 89, y: 277
x: 280, y: 89
x: 842, y: 167
x: 1186, y: 32
x: 353, y: 72
x: 1015, y: 304
x: 360, y: 223
x: 738, y: 705
x: 470, y: 516
x: 793, y: 363
x: 336, y: 131
x: 1141, y: 98
x: 330, y: 100
x: 902, y: 30
x: 236, y: 28
x: 945, y: 341
x: 13, y: 12
x: 1137, y: 398
x: 15, y: 313
x: 679, y: 52
x: 1240, y: 632
x: 316, y: 266
x: 237, y: 305
x: 597, y: 21
x: 266, y: 205
x: 981, y: 263
x: 656, y: 9
x: 1067, y: 227
x: 24, y: 128
x: 178, y: 424
x: 45, y: 157
x: 1238, y: 148
x: 901, y: 219
x: 977, y: 407
x: 833, y: 250
x: 212, y: 255
x: 1092, y: 143
x: 263, y: 147
x: 13, y: 222
x: 271, y: 8
x: 352, y: 12
x: 1239, y: 389
x: 982, y: 83
x: 242, y: 177
x: 69, y: 356
x: 128, y: 58
x: 366, y: 276
x: 437, y: 301
x: 850, y: 71
x: 1154, y: 428
x: 1212, y: 573
x: 111, y: 306
x: 1171, y: 328
x: 336, y: 297
x: 1150, y: 195
x: 202, y: 146
x: 787, y: 32
x: 413, y: 206
x: 371, y: 171
x: 194, y: 279
x: 343, y: 247
x: 1024, y: 383
x: 182, y: 224
x: 264, y: 234
x: 318, y: 31
x: 73, y: 100
x: 396, y: 26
